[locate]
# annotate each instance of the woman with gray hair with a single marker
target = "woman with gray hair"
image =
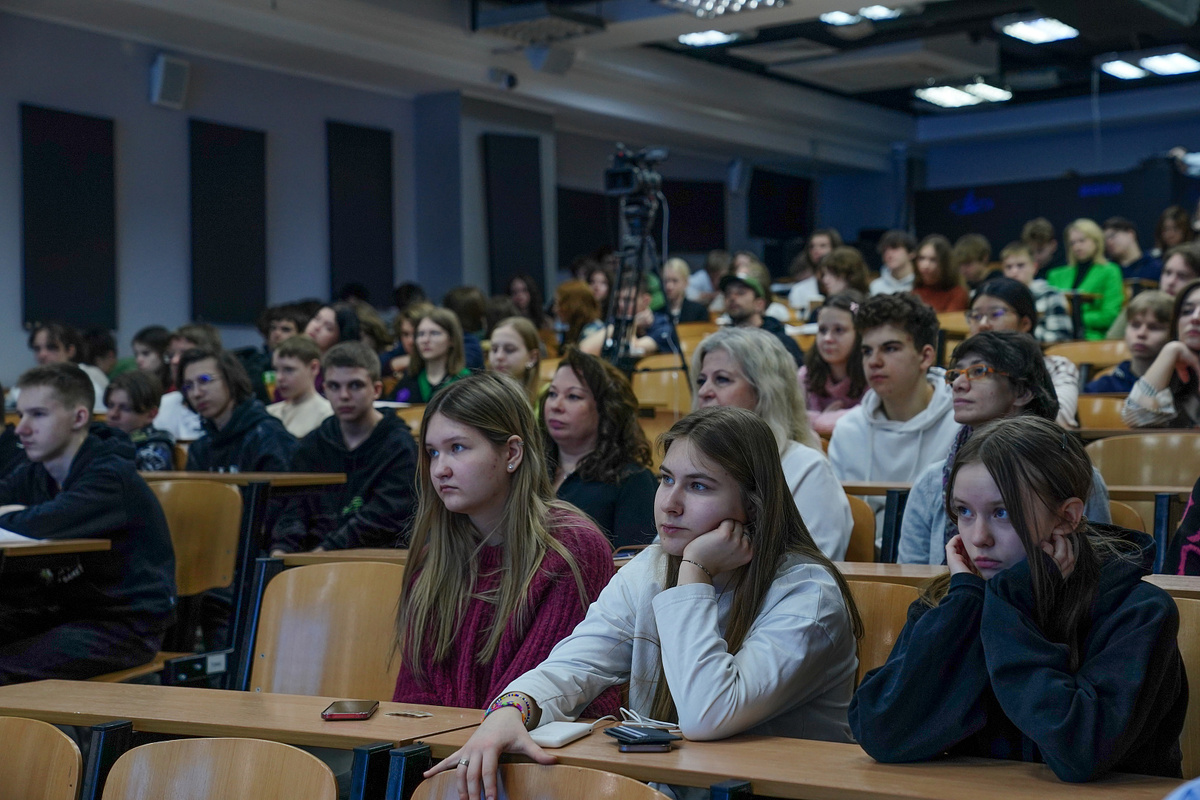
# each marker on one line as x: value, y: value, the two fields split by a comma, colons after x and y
x: 749, y: 368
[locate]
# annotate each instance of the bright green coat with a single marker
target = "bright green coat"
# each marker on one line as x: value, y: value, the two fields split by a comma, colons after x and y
x: 1103, y: 279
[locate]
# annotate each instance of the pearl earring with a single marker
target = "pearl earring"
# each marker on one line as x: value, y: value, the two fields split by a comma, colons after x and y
x: 511, y: 467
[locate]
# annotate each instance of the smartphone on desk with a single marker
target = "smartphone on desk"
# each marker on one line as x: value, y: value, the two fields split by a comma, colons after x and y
x: 350, y: 709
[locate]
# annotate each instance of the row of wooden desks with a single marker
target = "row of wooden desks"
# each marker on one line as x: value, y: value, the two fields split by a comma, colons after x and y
x: 776, y: 767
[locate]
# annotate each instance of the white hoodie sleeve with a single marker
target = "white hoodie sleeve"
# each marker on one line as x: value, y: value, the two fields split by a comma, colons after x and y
x: 819, y: 498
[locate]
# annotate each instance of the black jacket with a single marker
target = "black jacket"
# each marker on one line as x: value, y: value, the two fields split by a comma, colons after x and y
x: 253, y: 441
x: 975, y: 676
x: 623, y: 511
x: 376, y: 503
x: 775, y: 327
x: 691, y: 311
x: 102, y: 497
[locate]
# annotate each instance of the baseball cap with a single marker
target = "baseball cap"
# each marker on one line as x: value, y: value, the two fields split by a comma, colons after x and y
x: 743, y: 278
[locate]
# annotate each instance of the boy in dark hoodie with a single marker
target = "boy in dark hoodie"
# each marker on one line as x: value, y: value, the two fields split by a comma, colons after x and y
x: 108, y: 610
x: 132, y: 401
x: 373, y: 448
x: 240, y: 436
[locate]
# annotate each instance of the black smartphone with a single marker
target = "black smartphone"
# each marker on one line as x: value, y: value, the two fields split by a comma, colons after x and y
x: 350, y: 709
x: 663, y: 747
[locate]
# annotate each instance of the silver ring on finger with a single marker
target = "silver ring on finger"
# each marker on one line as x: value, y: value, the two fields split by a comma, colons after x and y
x: 462, y: 762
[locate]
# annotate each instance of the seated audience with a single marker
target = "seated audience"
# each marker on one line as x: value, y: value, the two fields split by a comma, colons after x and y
x: 842, y: 269
x: 499, y: 308
x: 110, y: 611
x: 832, y: 377
x: 1086, y: 271
x: 703, y: 285
x: 1121, y: 245
x: 55, y: 343
x: 283, y: 322
x: 748, y: 368
x: 746, y: 263
x: 297, y: 363
x: 1002, y: 304
x: 373, y: 331
x: 996, y: 375
x: 675, y: 281
x: 904, y: 422
x: 1173, y: 229
x: 597, y: 456
x: 599, y: 280
x: 746, y: 304
x: 734, y: 623
x: 1166, y: 395
x: 396, y: 360
x: 647, y: 332
x: 373, y: 448
x: 972, y: 257
x: 1039, y: 236
x: 897, y: 249
x: 239, y: 434
x: 333, y: 324
x: 499, y: 571
x: 1181, y: 265
x: 1054, y: 322
x: 526, y: 295
x: 1043, y: 643
x: 437, y: 360
x: 150, y: 346
x: 515, y: 352
x: 100, y: 351
x: 937, y: 280
x: 174, y: 415
x: 577, y: 313
x: 1147, y: 330
x: 470, y: 306
x: 803, y: 270
x: 132, y: 401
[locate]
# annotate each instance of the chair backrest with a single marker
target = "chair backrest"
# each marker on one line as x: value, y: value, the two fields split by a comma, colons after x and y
x: 666, y: 389
x: 413, y: 416
x: 205, y: 520
x: 884, y: 609
x: 1101, y: 411
x: 1126, y: 516
x: 543, y: 782
x: 179, y: 456
x: 215, y: 769
x: 328, y: 629
x: 1103, y: 353
x: 653, y: 427
x: 659, y: 361
x: 38, y: 761
x: 1148, y: 459
x: 546, y: 369
x: 862, y: 535
x: 1189, y: 648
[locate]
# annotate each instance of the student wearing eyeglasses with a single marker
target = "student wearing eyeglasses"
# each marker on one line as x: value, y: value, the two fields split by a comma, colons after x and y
x: 1004, y: 304
x: 993, y: 375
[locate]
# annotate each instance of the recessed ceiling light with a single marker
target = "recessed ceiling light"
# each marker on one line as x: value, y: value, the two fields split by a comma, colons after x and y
x: 707, y: 38
x: 879, y: 12
x: 1170, y: 64
x: 985, y: 91
x: 1123, y: 70
x: 840, y: 18
x: 715, y: 8
x: 1039, y: 31
x: 948, y: 97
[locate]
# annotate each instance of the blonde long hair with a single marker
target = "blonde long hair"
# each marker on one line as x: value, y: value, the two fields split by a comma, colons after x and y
x: 740, y: 443
x: 529, y: 337
x: 443, y: 570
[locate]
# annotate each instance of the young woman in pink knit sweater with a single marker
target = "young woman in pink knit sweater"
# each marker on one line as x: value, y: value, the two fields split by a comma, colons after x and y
x: 498, y: 571
x: 832, y: 376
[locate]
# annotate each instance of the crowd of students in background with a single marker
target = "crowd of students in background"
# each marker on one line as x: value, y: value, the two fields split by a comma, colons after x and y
x: 733, y: 619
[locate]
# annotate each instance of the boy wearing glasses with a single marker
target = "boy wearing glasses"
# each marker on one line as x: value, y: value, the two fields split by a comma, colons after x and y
x: 905, y: 420
x: 995, y: 374
x: 375, y: 450
x: 103, y: 611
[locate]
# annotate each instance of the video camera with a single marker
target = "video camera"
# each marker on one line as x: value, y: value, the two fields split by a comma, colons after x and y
x: 634, y: 173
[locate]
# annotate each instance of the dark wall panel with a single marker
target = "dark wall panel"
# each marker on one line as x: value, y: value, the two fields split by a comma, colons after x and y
x: 360, y: 209
x: 68, y: 218
x: 512, y: 168
x: 697, y: 216
x: 779, y: 206
x: 229, y: 223
x: 587, y: 221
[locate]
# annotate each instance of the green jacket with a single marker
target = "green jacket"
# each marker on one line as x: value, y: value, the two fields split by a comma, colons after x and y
x: 1103, y: 279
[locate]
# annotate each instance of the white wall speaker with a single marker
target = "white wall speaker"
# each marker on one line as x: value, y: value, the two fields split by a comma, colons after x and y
x: 169, y: 81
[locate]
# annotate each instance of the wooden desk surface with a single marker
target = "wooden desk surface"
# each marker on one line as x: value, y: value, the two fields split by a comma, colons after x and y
x: 276, y: 479
x: 874, y: 487
x: 54, y: 548
x: 178, y: 710
x: 799, y: 768
x: 388, y: 555
x: 1118, y: 492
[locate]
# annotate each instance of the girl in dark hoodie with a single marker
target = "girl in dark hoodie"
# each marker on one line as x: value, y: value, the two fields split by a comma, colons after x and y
x: 1043, y: 643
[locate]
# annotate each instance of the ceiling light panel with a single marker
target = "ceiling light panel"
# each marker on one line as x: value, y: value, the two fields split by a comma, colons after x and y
x: 840, y: 18
x: 1123, y: 70
x: 1039, y: 31
x: 707, y: 38
x: 710, y: 9
x: 948, y: 97
x: 879, y: 12
x: 1170, y: 64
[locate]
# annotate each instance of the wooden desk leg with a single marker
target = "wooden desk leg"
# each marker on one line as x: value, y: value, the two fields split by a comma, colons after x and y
x: 109, y: 741
x: 369, y: 773
x: 1162, y: 528
x: 255, y: 497
x: 735, y: 789
x: 243, y: 654
x: 893, y: 515
x: 406, y: 769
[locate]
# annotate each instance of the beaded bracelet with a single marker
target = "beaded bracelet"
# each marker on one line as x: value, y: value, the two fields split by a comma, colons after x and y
x: 518, y: 700
x: 701, y: 566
